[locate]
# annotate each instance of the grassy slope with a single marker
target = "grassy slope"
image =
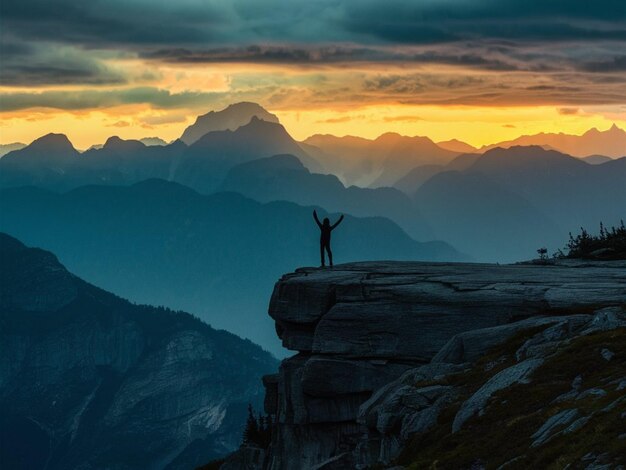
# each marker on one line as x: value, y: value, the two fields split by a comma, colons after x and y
x: 514, y: 414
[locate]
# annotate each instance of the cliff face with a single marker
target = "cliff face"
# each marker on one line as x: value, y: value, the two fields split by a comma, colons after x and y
x: 377, y: 342
x: 88, y: 380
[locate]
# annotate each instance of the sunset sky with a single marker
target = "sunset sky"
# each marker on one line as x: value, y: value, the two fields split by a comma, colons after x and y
x: 478, y: 70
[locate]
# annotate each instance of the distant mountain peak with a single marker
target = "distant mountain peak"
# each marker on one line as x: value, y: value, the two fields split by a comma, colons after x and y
x: 389, y: 135
x: 152, y: 141
x: 593, y: 130
x: 247, y: 106
x: 117, y: 143
x: 611, y: 142
x: 230, y: 118
x: 456, y: 145
x: 52, y: 142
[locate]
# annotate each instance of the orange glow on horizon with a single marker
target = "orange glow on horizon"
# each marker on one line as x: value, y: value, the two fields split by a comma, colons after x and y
x: 475, y: 125
x: 346, y: 99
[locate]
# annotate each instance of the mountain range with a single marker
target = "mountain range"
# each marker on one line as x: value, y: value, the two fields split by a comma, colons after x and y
x: 164, y: 243
x: 610, y: 143
x: 52, y: 161
x: 375, y: 163
x: 89, y: 380
x: 506, y: 203
x: 338, y: 173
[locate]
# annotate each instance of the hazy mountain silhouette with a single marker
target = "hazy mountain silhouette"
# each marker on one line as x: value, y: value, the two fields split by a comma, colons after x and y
x: 415, y: 178
x: 378, y: 162
x: 150, y: 141
x: 206, y: 162
x: 611, y: 142
x: 283, y: 177
x: 570, y: 191
x: 230, y: 118
x: 456, y: 145
x: 88, y: 379
x: 165, y: 243
x: 486, y: 205
x: 6, y: 148
x: 52, y: 162
x: 130, y: 161
x: 596, y: 159
x: 484, y: 218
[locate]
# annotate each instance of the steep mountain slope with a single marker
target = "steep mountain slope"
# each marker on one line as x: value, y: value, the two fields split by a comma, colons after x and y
x: 611, y: 142
x: 378, y: 162
x: 89, y: 380
x: 283, y: 177
x: 229, y: 118
x: 164, y: 243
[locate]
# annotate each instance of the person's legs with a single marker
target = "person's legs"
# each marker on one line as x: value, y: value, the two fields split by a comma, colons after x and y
x: 330, y: 255
x: 322, y: 254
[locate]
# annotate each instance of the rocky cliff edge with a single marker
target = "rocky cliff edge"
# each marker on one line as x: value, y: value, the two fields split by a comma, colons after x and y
x: 390, y: 354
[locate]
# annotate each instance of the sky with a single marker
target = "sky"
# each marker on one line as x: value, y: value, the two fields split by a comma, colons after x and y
x: 478, y: 70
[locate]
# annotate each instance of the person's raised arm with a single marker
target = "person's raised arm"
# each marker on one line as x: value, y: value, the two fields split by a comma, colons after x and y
x: 338, y: 222
x: 316, y: 219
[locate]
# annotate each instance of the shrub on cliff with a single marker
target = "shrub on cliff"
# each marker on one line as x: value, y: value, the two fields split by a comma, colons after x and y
x: 609, y: 244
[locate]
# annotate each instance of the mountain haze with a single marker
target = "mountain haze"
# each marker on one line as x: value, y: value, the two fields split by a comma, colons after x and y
x: 6, y: 148
x: 378, y: 162
x: 164, y: 243
x: 456, y: 145
x: 283, y: 177
x: 498, y: 205
x: 611, y: 143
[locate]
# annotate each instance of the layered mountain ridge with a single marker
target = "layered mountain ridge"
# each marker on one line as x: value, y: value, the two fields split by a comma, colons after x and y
x: 162, y: 242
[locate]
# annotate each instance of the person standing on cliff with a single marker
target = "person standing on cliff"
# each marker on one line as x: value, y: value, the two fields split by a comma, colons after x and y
x: 325, y: 229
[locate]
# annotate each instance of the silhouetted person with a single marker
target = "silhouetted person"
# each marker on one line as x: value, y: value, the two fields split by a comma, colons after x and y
x: 326, y: 228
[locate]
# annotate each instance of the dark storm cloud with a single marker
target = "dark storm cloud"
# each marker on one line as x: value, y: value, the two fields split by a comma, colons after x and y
x: 61, y: 42
x: 451, y: 20
x: 34, y: 64
x: 329, y: 55
x: 89, y: 99
x: 615, y: 64
x: 115, y: 22
x: 194, y: 24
